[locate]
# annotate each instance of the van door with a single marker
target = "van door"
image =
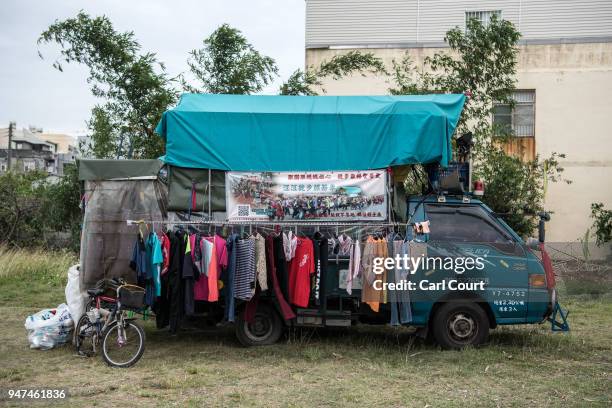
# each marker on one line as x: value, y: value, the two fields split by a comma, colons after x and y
x: 463, y: 231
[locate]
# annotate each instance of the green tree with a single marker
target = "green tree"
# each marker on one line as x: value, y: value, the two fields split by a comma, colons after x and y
x: 22, y: 221
x: 133, y: 85
x: 305, y: 82
x: 481, y: 62
x: 515, y: 189
x: 227, y: 63
x: 32, y: 209
x: 602, y: 223
x: 62, y: 211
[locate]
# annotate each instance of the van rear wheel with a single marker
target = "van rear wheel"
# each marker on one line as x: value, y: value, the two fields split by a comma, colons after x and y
x: 265, y: 329
x: 460, y: 324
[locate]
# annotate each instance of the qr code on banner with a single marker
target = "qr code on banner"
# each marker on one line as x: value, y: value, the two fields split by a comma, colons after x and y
x: 244, y: 210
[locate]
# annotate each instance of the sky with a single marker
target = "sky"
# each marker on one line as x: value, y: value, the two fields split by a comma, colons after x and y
x: 33, y: 93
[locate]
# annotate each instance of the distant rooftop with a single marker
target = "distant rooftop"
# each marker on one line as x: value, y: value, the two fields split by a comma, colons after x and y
x: 22, y: 135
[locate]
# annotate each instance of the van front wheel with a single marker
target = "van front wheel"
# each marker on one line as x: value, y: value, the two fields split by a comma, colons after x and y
x: 460, y: 324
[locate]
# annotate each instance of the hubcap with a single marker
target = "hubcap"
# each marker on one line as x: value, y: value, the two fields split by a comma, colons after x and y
x: 462, y: 327
x: 260, y: 327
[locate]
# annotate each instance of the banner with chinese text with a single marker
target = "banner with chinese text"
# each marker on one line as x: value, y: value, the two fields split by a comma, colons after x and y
x: 299, y: 196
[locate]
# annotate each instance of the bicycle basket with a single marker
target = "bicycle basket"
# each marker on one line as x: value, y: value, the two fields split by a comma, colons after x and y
x: 131, y: 297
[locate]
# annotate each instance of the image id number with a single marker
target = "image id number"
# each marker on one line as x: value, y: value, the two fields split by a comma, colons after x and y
x: 34, y: 394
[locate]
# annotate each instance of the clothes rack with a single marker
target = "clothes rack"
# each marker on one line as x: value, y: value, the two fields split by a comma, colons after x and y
x: 270, y: 223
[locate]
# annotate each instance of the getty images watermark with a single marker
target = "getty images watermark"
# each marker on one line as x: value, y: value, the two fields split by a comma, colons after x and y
x: 409, y: 265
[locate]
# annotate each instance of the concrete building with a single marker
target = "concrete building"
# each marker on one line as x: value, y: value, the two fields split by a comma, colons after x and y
x: 34, y: 150
x: 564, y: 101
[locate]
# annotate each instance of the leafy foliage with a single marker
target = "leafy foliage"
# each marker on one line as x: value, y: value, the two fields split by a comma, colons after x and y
x: 32, y: 207
x: 481, y: 62
x: 300, y: 83
x: 227, y: 63
x: 134, y: 85
x: 20, y: 219
x: 602, y: 223
x: 136, y: 90
x: 515, y: 188
x: 305, y: 82
x: 62, y: 210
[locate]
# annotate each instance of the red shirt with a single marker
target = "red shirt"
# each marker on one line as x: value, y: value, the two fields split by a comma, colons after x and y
x: 300, y: 269
x: 165, y: 246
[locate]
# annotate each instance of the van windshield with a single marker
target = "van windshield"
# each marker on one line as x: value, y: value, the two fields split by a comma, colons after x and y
x: 463, y: 224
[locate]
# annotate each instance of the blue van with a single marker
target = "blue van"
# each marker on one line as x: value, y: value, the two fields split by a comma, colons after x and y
x: 453, y: 309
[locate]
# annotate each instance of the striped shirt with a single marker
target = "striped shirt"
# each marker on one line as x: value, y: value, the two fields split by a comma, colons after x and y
x: 244, y: 278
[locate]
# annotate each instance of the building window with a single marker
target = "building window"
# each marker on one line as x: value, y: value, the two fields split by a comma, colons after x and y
x: 484, y: 17
x: 29, y: 165
x: 520, y: 119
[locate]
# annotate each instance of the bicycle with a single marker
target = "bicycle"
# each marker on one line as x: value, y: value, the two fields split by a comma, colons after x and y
x: 105, y: 324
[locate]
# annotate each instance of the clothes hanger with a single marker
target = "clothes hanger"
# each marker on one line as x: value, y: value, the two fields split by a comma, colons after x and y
x: 398, y: 234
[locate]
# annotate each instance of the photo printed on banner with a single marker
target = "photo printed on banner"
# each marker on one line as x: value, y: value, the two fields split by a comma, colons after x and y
x: 304, y: 196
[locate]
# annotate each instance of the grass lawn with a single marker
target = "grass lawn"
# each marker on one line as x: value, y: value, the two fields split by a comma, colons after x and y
x: 365, y: 366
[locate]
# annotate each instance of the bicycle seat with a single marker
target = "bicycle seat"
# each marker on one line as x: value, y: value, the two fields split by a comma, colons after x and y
x: 95, y: 292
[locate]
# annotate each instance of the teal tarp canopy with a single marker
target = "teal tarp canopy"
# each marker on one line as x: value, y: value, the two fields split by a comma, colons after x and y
x: 302, y: 133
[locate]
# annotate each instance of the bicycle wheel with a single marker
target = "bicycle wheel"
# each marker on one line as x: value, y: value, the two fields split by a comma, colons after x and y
x: 90, y: 305
x: 85, y: 336
x: 123, y: 348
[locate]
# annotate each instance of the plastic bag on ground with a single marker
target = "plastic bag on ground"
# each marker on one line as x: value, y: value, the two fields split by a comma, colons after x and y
x: 49, y: 327
x: 74, y: 297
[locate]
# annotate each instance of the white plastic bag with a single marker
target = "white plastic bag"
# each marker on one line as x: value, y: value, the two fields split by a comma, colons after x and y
x: 49, y: 327
x: 74, y: 297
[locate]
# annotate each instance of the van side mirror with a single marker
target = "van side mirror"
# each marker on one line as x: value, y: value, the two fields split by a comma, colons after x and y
x: 533, y: 243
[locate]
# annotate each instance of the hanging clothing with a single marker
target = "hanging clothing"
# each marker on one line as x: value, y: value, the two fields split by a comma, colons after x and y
x: 421, y: 227
x: 165, y: 246
x: 196, y: 255
x: 285, y: 308
x: 334, y: 245
x: 281, y: 264
x: 201, y: 286
x: 373, y: 248
x: 344, y: 245
x: 403, y: 274
x: 155, y: 260
x: 161, y: 306
x: 228, y: 282
x: 244, y: 278
x: 300, y: 269
x: 146, y: 260
x: 399, y: 299
x: 321, y: 256
x: 176, y: 284
x: 222, y: 262
x: 189, y: 273
x: 212, y: 270
x: 260, y: 261
x: 138, y: 261
x: 220, y: 247
x: 289, y: 245
x: 354, y: 270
